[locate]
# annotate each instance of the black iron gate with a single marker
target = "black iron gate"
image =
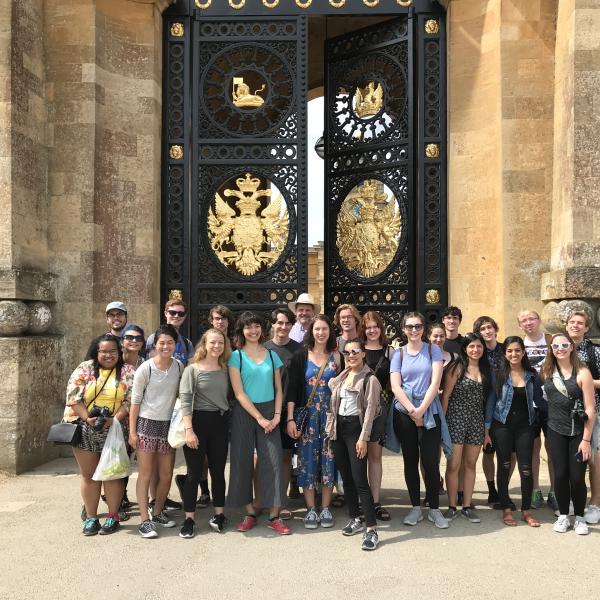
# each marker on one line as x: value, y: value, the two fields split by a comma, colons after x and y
x: 234, y: 218
x: 385, y: 138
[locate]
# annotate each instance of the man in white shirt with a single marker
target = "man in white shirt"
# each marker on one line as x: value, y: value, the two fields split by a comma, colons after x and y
x: 305, y: 308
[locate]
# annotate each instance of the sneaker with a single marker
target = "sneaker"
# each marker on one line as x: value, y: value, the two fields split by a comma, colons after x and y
x: 580, y: 526
x: 370, y: 540
x: 162, y: 519
x: 148, y: 529
x: 203, y: 501
x: 451, y: 514
x: 537, y: 499
x: 562, y: 524
x: 180, y: 482
x: 459, y: 498
x: 123, y: 515
x: 126, y: 503
x: 437, y: 518
x: 109, y: 526
x: 415, y: 514
x: 552, y: 502
x: 326, y: 518
x: 218, y: 522
x: 470, y: 514
x: 187, y: 529
x: 172, y: 505
x: 311, y: 519
x: 91, y: 526
x: 279, y: 526
x: 247, y: 523
x: 354, y: 526
x: 592, y: 514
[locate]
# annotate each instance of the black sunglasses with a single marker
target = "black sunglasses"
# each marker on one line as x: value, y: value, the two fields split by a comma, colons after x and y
x: 133, y: 338
x: 352, y: 352
x: 176, y: 313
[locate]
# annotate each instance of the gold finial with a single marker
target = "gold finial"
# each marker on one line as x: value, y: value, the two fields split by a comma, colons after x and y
x: 368, y: 101
x: 371, y: 3
x: 241, y: 96
x: 432, y: 297
x: 304, y: 4
x: 177, y: 30
x: 432, y: 150
x: 176, y: 152
x: 431, y: 26
x: 240, y: 4
x: 203, y: 5
x: 404, y: 3
x: 176, y: 295
x: 272, y: 4
x: 337, y: 4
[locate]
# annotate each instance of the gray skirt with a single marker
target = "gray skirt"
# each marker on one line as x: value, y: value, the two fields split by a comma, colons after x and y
x: 246, y: 436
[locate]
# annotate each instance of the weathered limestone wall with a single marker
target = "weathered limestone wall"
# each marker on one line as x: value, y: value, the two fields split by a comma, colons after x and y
x: 500, y: 101
x: 574, y: 273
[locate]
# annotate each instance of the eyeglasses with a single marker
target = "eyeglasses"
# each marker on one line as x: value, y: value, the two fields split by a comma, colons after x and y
x: 352, y: 352
x: 219, y: 318
x: 176, y: 313
x: 416, y: 327
x: 563, y: 346
x: 133, y: 338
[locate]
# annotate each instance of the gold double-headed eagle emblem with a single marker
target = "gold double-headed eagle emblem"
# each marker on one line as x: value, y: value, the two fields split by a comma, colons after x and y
x: 368, y: 229
x: 254, y: 238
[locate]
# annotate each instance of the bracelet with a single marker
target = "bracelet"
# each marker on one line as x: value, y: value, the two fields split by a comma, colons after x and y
x: 277, y: 413
x: 588, y: 441
x: 291, y: 421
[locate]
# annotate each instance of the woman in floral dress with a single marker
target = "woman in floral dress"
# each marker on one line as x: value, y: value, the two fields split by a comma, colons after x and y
x: 316, y: 465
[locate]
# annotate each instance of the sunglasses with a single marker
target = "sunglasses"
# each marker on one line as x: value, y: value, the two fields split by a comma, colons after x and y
x: 352, y: 352
x: 133, y: 338
x: 563, y: 346
x: 416, y: 327
x: 176, y: 313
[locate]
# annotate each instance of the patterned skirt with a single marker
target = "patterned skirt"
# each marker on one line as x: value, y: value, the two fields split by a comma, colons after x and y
x: 152, y: 436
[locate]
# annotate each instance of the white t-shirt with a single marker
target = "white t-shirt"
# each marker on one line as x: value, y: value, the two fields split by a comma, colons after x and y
x: 348, y: 403
x: 156, y: 391
x: 536, y: 351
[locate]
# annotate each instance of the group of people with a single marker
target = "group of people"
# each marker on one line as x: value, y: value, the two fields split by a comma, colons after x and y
x: 334, y: 394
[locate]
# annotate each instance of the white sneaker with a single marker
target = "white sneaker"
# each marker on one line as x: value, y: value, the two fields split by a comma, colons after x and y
x: 414, y: 516
x: 580, y: 526
x: 437, y: 518
x: 562, y: 524
x: 592, y: 514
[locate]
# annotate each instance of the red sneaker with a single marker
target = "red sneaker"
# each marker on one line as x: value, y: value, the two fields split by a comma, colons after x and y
x: 247, y: 523
x: 279, y: 526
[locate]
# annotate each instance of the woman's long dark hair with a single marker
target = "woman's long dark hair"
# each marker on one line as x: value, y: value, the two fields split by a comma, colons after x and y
x: 107, y: 337
x: 504, y: 368
x: 463, y: 360
x: 245, y: 319
x: 309, y: 337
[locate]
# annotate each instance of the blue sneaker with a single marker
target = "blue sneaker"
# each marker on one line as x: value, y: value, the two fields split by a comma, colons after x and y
x: 91, y: 526
x: 537, y: 499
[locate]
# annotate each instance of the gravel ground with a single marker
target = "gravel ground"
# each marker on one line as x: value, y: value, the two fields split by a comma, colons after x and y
x: 44, y: 554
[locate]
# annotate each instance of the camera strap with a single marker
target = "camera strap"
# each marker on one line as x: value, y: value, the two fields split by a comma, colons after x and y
x: 97, y: 393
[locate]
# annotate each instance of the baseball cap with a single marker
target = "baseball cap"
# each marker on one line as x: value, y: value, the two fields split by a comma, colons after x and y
x: 116, y: 306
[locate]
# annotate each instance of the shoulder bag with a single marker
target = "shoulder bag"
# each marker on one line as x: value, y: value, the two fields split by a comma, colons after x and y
x: 302, y: 412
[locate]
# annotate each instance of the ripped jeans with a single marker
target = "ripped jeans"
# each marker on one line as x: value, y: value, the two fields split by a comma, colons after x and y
x: 516, y: 435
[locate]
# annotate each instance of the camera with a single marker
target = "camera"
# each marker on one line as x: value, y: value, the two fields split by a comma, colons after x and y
x: 100, y: 412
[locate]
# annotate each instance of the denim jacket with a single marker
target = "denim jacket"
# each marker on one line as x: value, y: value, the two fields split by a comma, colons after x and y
x: 498, y: 408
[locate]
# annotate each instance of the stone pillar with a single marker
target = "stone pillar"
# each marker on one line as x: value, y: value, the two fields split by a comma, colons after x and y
x: 30, y: 359
x: 574, y: 273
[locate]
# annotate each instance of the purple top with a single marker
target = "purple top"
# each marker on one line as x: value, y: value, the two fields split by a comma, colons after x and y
x: 415, y: 370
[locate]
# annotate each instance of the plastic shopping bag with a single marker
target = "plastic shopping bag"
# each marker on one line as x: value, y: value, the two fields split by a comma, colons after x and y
x: 114, y: 461
x: 176, y: 436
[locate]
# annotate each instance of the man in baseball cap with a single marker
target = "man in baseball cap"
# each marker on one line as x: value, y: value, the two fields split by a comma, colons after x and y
x: 305, y: 308
x: 116, y: 319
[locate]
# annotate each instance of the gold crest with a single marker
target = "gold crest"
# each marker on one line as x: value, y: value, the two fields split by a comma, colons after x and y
x: 177, y: 30
x: 432, y: 297
x: 432, y: 151
x: 368, y: 101
x: 431, y: 26
x: 176, y: 152
x: 255, y: 238
x: 242, y: 97
x: 368, y: 229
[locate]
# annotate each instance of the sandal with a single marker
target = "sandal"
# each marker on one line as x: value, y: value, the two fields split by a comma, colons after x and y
x: 530, y: 519
x: 338, y: 501
x: 508, y: 519
x: 382, y: 513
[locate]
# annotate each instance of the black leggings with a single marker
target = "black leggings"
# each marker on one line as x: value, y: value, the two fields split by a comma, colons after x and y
x: 569, y: 475
x: 353, y: 469
x: 516, y: 434
x: 415, y: 440
x: 212, y: 429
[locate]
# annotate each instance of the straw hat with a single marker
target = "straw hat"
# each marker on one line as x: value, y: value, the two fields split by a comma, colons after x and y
x: 305, y: 299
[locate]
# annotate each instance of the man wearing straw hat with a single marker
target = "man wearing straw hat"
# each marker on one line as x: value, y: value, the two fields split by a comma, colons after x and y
x: 305, y: 308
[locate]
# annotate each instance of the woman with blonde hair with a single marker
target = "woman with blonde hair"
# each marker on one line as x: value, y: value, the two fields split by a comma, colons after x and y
x: 205, y: 408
